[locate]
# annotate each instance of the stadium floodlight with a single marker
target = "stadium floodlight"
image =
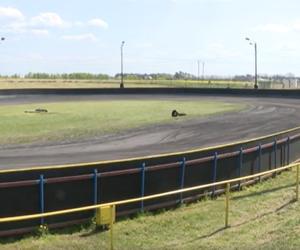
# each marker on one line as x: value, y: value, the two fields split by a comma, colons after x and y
x: 122, y: 74
x: 255, y: 57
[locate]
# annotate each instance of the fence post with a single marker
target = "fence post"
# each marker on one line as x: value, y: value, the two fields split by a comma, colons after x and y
x: 95, y: 182
x: 288, y: 150
x: 227, y: 205
x: 259, y: 160
x: 142, y: 185
x: 240, y: 165
x: 215, y: 172
x: 275, y: 152
x: 275, y: 155
x: 297, y: 183
x: 95, y: 179
x: 111, y: 225
x: 182, y: 175
x: 42, y: 198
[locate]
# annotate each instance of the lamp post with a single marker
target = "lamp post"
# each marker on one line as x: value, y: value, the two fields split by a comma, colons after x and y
x: 2, y: 39
x: 122, y: 75
x: 255, y: 55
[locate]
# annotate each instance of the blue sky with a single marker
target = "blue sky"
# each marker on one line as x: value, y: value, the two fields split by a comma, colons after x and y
x: 161, y: 36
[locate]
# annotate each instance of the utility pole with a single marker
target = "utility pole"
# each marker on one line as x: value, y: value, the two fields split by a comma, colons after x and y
x: 203, y: 65
x: 2, y: 39
x: 255, y: 48
x: 198, y: 69
x: 122, y: 74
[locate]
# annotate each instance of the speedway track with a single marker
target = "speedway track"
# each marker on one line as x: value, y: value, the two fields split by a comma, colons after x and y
x: 262, y: 116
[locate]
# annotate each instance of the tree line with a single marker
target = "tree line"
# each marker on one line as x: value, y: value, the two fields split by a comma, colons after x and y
x: 89, y: 76
x: 180, y: 75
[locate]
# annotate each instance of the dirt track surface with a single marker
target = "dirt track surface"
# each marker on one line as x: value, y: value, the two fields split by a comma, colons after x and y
x: 262, y: 116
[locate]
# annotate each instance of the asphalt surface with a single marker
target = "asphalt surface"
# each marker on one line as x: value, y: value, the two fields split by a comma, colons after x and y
x: 262, y: 116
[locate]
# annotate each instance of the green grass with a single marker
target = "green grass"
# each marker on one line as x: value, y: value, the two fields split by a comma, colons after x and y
x: 33, y: 83
x: 263, y: 216
x: 69, y: 121
x: 59, y: 83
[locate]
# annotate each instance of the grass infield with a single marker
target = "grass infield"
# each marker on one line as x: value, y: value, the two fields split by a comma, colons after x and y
x: 69, y: 121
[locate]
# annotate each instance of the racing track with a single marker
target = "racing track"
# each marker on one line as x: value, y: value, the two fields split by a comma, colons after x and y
x: 262, y: 116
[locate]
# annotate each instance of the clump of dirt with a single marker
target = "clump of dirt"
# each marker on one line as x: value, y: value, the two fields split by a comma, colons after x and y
x: 175, y: 113
x: 38, y: 110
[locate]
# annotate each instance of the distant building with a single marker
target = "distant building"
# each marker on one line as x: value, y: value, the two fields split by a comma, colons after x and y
x: 147, y: 77
x: 290, y: 83
x: 284, y: 83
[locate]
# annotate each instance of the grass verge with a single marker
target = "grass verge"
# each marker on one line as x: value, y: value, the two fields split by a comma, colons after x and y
x: 263, y: 216
x: 60, y: 83
x: 69, y: 121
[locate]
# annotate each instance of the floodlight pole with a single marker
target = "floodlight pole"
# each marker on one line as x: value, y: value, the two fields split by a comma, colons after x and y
x: 2, y: 39
x: 255, y: 48
x: 122, y: 75
x: 255, y: 56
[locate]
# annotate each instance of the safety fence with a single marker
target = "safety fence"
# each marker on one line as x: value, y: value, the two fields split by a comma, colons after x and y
x: 43, y: 190
x: 109, y: 208
x: 295, y: 93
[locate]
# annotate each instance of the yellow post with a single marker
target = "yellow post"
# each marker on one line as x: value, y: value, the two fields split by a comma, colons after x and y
x: 297, y: 183
x: 227, y: 204
x: 111, y: 224
x: 106, y: 216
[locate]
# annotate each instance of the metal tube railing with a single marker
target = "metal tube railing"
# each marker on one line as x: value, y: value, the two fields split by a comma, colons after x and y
x: 149, y: 197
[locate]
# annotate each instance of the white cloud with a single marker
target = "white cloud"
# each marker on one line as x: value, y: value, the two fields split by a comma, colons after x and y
x: 279, y: 27
x: 13, y: 21
x: 49, y: 19
x: 23, y: 28
x: 97, y: 22
x: 37, y: 25
x: 11, y: 13
x: 276, y: 28
x: 40, y: 32
x: 81, y: 37
x: 296, y: 25
x: 144, y: 45
x: 78, y: 24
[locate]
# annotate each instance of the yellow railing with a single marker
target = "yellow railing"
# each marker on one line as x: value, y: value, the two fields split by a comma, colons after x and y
x: 113, y: 205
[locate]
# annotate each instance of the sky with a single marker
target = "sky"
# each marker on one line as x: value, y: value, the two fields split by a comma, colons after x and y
x: 56, y: 36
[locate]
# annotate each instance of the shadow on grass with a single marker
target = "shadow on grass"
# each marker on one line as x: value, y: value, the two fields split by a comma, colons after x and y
x: 262, y: 192
x: 93, y: 231
x: 222, y: 229
x: 58, y: 231
x: 211, y: 234
x: 266, y: 213
x: 11, y: 240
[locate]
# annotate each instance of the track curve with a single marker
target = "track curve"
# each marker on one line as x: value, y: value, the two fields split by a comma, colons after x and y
x: 261, y: 117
